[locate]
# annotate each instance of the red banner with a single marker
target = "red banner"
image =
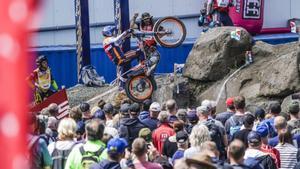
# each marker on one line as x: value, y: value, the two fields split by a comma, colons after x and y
x: 60, y: 98
x: 15, y: 17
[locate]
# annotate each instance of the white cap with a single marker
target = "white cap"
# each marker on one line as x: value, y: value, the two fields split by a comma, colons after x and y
x: 207, y: 103
x: 155, y: 107
x: 111, y: 131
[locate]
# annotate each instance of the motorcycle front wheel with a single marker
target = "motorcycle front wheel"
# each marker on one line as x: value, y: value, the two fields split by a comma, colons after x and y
x: 169, y: 31
x: 139, y: 88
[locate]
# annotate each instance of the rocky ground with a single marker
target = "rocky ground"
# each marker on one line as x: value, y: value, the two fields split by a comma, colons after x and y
x: 274, y: 75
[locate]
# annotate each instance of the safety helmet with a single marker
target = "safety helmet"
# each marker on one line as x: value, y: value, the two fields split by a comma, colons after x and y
x: 40, y: 59
x: 108, y: 31
x: 146, y: 15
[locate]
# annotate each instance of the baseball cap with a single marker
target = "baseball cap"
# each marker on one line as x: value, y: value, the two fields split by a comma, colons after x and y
x: 207, y: 103
x: 229, y: 101
x: 116, y: 146
x: 192, y: 116
x: 134, y: 108
x: 262, y: 130
x: 84, y: 107
x: 203, y: 110
x: 182, y: 136
x: 254, y: 138
x: 124, y: 108
x: 99, y: 114
x: 172, y: 118
x: 108, y: 108
x: 111, y: 131
x: 155, y: 107
x: 294, y: 106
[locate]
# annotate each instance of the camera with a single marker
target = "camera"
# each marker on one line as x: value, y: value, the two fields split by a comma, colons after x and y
x: 296, y: 96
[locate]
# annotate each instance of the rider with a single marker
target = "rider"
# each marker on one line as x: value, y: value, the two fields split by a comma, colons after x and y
x: 41, y: 80
x: 113, y: 48
x: 219, y: 10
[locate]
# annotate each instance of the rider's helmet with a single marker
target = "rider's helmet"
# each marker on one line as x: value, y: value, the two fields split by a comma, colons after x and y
x: 41, y: 59
x: 108, y: 31
x: 146, y: 16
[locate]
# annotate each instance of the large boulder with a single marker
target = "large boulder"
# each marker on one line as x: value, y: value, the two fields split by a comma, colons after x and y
x: 274, y: 75
x: 215, y: 53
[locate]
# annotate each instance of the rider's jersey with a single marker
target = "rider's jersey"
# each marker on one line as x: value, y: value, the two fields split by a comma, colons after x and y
x: 149, y: 41
x: 42, y: 79
x: 112, y: 48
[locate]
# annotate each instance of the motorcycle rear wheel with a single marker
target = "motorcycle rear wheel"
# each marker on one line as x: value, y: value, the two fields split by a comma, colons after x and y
x: 139, y: 88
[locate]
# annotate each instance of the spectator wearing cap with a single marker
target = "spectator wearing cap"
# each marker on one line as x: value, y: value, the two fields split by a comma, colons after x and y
x: 163, y: 131
x: 170, y: 145
x: 211, y: 105
x: 122, y: 116
x: 171, y: 107
x: 116, y: 151
x: 254, y: 151
x: 140, y: 150
x: 199, y: 135
x: 280, y: 126
x: 152, y: 121
x: 294, y: 122
x: 108, y: 110
x: 145, y: 109
x: 85, y: 110
x: 192, y: 119
x: 259, y: 117
x: 129, y: 130
x: 145, y: 134
x: 243, y: 134
x: 214, y: 126
x: 289, y: 154
x: 200, y: 160
x: 224, y: 116
x: 109, y: 133
x: 182, y: 138
x: 274, y: 153
x: 99, y: 114
x: 274, y: 110
x: 235, y: 122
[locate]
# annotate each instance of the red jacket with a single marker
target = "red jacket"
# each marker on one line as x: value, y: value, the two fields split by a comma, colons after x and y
x: 160, y: 134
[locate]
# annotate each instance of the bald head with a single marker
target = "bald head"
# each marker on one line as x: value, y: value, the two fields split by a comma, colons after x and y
x: 236, y: 150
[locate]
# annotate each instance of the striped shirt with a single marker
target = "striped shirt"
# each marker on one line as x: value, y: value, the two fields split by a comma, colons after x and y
x: 288, y: 155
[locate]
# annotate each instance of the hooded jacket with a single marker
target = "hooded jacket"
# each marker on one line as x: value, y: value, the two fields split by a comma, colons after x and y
x: 130, y: 128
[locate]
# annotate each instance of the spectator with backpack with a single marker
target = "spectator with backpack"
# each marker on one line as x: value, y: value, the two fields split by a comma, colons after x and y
x: 60, y: 149
x: 116, y: 151
x: 247, y: 128
x: 235, y: 122
x: 254, y: 151
x: 216, y: 129
x: 274, y: 110
x: 274, y: 153
x: 192, y: 119
x: 235, y: 154
x: 224, y: 116
x: 182, y: 139
x: 39, y: 156
x: 129, y: 130
x: 199, y: 135
x: 84, y: 155
x: 259, y: 117
x: 294, y: 122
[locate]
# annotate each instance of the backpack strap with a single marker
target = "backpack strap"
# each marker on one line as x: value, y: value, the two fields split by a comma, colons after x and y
x: 32, y: 141
x: 81, y: 149
x: 99, y: 152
